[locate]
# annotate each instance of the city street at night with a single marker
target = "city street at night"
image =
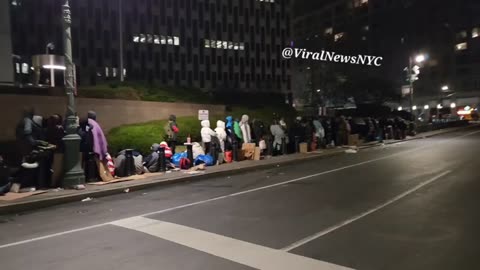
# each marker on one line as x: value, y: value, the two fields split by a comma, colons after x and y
x: 410, y: 205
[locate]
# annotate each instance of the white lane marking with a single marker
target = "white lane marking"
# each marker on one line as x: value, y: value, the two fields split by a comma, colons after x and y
x: 51, y: 235
x: 245, y: 253
x: 233, y: 194
x: 362, y: 215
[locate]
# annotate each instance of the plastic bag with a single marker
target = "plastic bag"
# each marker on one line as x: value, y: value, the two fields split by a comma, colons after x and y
x: 177, y: 157
x: 262, y: 144
x: 228, y: 156
x: 204, y: 159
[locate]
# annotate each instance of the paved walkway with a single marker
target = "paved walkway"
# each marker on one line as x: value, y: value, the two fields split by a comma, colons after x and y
x: 54, y: 197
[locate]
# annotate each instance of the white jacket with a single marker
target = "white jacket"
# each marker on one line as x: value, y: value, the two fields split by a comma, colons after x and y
x: 277, y: 133
x: 197, y: 150
x: 246, y: 131
x: 207, y: 132
x: 221, y: 134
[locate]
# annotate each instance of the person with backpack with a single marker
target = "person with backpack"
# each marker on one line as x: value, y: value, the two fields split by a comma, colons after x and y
x: 207, y: 134
x: 171, y: 131
x: 150, y: 163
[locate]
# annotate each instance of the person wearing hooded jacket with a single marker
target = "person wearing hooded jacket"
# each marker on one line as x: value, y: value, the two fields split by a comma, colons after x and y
x: 238, y: 132
x: 207, y: 134
x: 171, y: 129
x: 246, y: 130
x: 221, y: 134
x: 230, y: 133
x: 151, y: 161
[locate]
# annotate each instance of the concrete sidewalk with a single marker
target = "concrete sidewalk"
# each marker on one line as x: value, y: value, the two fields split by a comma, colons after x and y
x: 55, y: 197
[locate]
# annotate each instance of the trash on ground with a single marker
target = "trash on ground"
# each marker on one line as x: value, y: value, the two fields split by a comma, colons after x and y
x: 351, y: 151
x: 87, y: 199
x: 126, y: 190
x: 194, y: 172
x: 200, y: 167
x: 79, y: 187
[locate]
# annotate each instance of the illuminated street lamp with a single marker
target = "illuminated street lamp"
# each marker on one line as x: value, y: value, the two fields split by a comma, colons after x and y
x: 439, y: 106
x: 74, y: 176
x: 400, y: 108
x: 420, y: 58
x: 414, y: 107
x: 453, y: 105
x: 426, y: 107
x: 445, y: 88
x: 413, y: 72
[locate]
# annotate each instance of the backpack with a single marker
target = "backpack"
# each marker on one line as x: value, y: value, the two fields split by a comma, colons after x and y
x: 185, y: 164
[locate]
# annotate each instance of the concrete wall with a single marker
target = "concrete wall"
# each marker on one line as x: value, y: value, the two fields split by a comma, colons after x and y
x: 110, y: 113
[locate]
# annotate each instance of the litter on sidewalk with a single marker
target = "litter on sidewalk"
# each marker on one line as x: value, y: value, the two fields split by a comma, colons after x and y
x: 87, y: 199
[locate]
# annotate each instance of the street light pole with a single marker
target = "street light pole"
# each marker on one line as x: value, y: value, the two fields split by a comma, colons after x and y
x: 74, y: 176
x: 410, y: 79
x: 52, y: 71
x: 120, y: 34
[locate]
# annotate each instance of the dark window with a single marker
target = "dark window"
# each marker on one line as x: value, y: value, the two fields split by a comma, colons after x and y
x: 195, y: 67
x: 99, y: 58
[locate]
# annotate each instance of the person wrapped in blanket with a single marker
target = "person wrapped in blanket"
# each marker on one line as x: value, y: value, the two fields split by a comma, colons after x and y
x: 150, y: 163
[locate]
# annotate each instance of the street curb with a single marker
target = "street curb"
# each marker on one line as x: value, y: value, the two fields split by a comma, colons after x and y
x: 48, y: 202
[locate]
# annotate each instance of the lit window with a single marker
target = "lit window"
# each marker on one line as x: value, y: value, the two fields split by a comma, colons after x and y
x: 17, y: 67
x: 170, y: 40
x: 143, y: 39
x: 106, y: 72
x: 149, y: 38
x: 225, y: 45
x: 124, y: 72
x: 230, y: 45
x: 242, y: 46
x: 207, y: 43
x: 476, y: 32
x: 114, y: 72
x: 176, y: 41
x: 213, y: 43
x: 219, y: 44
x: 366, y: 28
x: 25, y: 68
x: 339, y: 36
x: 461, y: 46
x: 359, y: 3
x: 329, y: 31
x: 235, y: 46
x: 156, y: 39
x: 136, y: 39
x: 163, y: 40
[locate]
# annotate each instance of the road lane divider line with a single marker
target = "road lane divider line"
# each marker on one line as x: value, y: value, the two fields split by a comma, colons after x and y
x: 362, y: 215
x: 26, y: 241
x: 245, y: 253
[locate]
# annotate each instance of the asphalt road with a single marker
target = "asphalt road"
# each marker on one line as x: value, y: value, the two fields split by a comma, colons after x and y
x: 411, y: 205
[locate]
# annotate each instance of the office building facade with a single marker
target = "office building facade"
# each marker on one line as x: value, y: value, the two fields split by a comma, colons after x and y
x: 208, y: 44
x: 447, y: 32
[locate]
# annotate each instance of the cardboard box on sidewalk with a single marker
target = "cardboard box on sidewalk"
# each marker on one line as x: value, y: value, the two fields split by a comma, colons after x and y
x: 353, y: 140
x: 258, y: 151
x: 249, y: 149
x: 303, y: 148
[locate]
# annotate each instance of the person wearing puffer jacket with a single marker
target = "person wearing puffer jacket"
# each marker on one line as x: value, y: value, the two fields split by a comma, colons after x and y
x: 246, y: 130
x: 221, y: 134
x: 207, y: 134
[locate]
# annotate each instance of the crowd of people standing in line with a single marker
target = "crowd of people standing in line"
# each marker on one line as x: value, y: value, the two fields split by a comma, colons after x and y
x: 39, y: 139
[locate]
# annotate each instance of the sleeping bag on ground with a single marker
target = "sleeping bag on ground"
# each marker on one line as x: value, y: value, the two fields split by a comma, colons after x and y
x: 204, y: 159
